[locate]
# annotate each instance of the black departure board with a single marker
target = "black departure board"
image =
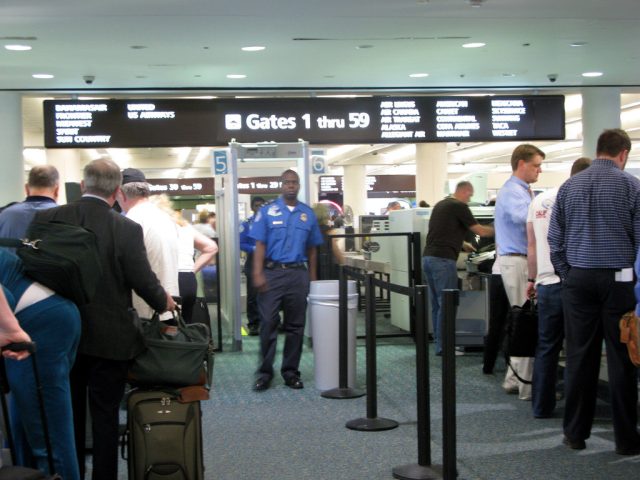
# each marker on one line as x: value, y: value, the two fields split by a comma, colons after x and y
x: 367, y: 120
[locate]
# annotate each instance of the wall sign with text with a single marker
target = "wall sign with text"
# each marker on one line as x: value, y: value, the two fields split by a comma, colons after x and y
x: 368, y: 120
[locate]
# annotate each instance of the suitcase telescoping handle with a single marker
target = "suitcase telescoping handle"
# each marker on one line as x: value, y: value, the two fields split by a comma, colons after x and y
x: 20, y: 346
x: 31, y: 348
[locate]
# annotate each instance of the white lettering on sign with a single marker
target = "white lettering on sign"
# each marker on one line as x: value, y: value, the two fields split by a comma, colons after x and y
x: 91, y: 138
x: 137, y: 107
x: 256, y: 122
x: 86, y: 107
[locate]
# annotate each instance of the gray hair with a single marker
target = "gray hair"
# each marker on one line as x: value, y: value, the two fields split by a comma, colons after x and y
x: 102, y: 177
x: 136, y: 189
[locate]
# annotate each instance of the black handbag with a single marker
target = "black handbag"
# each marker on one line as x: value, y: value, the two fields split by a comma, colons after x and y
x: 60, y: 256
x: 521, y: 336
x: 174, y: 355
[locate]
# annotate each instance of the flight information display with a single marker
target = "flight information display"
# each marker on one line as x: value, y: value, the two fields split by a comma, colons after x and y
x: 368, y: 120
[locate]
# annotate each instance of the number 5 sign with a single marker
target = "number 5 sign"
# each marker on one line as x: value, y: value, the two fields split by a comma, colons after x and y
x: 220, y: 162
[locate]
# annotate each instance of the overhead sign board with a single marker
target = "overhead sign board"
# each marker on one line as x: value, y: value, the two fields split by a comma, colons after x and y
x: 368, y: 120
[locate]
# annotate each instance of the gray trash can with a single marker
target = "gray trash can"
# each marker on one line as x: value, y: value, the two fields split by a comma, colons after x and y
x: 324, y: 316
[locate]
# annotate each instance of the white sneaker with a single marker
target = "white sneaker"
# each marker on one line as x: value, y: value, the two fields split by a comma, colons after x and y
x: 510, y: 389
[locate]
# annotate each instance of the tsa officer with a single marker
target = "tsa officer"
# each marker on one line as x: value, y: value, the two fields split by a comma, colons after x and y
x: 284, y: 262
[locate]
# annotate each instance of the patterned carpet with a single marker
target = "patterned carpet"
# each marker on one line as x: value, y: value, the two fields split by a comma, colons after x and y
x: 283, y: 434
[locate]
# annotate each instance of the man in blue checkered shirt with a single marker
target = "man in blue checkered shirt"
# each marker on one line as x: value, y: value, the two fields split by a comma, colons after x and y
x: 594, y: 237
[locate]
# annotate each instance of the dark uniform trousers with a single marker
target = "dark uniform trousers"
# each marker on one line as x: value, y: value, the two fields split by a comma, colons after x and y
x: 593, y: 304
x: 289, y: 288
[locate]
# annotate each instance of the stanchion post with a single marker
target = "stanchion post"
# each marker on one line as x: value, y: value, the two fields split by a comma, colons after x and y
x: 423, y: 470
x: 449, y: 304
x: 343, y: 391
x: 371, y: 423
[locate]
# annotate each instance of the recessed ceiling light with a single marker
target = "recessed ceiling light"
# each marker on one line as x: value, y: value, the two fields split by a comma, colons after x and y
x: 419, y: 75
x: 364, y: 47
x: 235, y: 75
x: 254, y: 48
x: 473, y: 45
x: 577, y: 44
x: 18, y: 48
x: 508, y: 74
x: 137, y: 47
x: 592, y: 74
x: 42, y: 75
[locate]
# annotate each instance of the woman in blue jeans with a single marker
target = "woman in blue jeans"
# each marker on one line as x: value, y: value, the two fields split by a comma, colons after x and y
x: 53, y: 322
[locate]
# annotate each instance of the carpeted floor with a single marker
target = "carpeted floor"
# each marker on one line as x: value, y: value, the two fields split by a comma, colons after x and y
x: 296, y: 434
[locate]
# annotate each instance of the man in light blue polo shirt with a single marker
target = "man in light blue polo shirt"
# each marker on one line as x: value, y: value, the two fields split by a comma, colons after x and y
x: 284, y: 262
x: 512, y: 206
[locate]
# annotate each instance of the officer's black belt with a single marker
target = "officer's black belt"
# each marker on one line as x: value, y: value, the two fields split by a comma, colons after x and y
x: 294, y: 266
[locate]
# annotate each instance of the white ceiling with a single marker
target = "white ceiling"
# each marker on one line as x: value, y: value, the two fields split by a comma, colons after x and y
x: 313, y: 48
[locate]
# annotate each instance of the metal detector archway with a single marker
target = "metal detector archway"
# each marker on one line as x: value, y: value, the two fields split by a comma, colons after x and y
x: 225, y: 167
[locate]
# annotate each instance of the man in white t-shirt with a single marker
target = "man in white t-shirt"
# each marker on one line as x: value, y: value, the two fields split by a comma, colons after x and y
x: 160, y: 234
x: 544, y: 282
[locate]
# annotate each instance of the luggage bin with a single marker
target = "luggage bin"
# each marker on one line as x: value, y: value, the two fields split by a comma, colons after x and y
x: 324, y: 316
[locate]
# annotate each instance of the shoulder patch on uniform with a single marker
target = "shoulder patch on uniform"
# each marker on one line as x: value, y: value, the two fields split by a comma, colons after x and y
x: 303, y: 217
x: 274, y: 211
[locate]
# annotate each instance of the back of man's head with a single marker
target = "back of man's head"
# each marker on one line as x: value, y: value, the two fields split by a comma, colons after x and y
x: 101, y: 177
x: 613, y: 141
x: 43, y: 177
x: 580, y: 164
x: 134, y: 184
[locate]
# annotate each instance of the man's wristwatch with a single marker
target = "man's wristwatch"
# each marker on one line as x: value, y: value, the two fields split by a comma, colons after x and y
x: 532, y: 280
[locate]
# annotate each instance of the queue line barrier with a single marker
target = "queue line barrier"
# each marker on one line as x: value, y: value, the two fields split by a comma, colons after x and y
x: 423, y: 469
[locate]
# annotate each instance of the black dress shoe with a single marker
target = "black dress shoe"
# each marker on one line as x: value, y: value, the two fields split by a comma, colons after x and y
x: 574, y: 444
x: 628, y: 450
x: 294, y: 382
x: 261, y: 385
x: 253, y: 330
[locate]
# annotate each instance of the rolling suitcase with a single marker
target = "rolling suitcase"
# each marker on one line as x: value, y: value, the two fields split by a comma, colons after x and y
x: 164, y: 437
x: 16, y: 472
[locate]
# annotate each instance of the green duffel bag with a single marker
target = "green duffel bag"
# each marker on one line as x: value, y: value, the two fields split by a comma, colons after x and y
x: 175, y: 355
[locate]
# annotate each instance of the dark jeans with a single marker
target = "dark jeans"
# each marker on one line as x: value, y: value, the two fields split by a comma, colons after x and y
x: 593, y: 304
x: 441, y: 274
x: 498, y: 310
x: 286, y: 289
x: 550, y: 336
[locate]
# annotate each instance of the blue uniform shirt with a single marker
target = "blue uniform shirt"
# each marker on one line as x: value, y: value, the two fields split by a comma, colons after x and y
x: 512, y: 206
x: 286, y: 234
x: 247, y: 244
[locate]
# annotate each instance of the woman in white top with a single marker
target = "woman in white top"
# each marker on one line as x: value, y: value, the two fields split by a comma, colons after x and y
x: 190, y: 240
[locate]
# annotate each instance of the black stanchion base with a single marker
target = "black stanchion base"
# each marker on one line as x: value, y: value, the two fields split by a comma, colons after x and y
x: 371, y: 424
x: 413, y: 471
x: 342, y: 393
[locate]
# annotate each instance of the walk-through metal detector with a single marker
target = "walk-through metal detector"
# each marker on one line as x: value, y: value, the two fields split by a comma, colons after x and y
x: 225, y: 167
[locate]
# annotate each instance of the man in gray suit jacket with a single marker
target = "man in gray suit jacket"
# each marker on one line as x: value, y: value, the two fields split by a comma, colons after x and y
x: 109, y: 338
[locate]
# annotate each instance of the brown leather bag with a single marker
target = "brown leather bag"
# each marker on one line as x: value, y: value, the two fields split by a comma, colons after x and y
x: 630, y: 335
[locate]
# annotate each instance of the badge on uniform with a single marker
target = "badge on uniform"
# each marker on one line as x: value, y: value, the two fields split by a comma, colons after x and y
x: 274, y: 211
x: 303, y: 217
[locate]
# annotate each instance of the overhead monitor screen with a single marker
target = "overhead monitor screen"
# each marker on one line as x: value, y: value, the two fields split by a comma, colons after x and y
x: 194, y: 122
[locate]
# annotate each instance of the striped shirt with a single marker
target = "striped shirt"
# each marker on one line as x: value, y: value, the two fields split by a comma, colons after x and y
x: 596, y: 220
